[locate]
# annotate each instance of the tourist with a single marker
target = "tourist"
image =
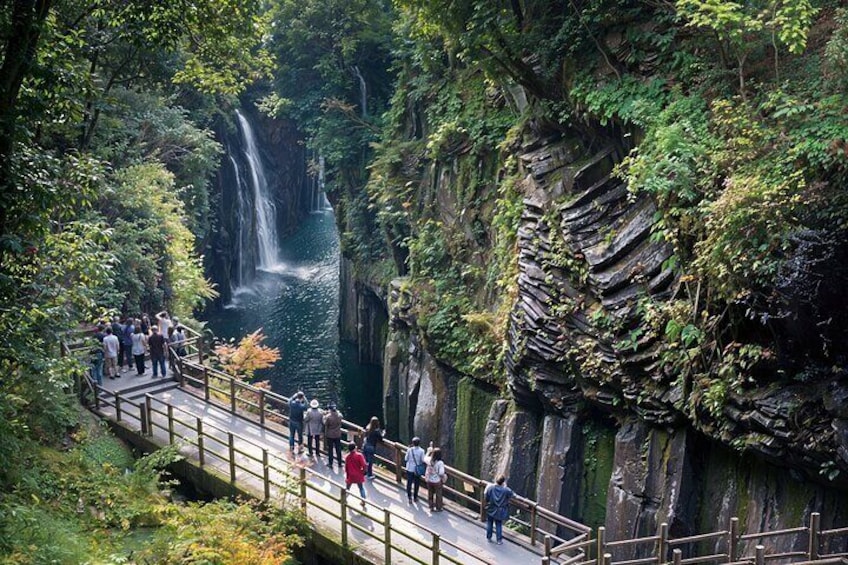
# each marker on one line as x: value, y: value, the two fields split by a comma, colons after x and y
x: 354, y: 466
x: 497, y: 508
x: 297, y: 408
x: 333, y: 433
x: 181, y: 341
x: 158, y: 347
x: 164, y: 322
x: 313, y: 425
x: 111, y: 348
x: 436, y: 476
x: 139, y: 348
x: 97, y: 355
x: 373, y: 436
x: 145, y: 324
x: 415, y: 467
x: 125, y: 351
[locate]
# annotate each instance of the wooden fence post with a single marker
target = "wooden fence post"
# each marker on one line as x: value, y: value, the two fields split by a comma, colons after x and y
x: 601, y: 543
x: 97, y: 396
x: 662, y: 543
x: 482, y: 485
x: 266, y: 475
x: 733, y: 540
x: 302, y: 481
x: 200, y: 453
x: 398, y: 465
x: 813, y: 544
x: 760, y: 558
x: 343, y: 504
x: 607, y: 558
x: 232, y: 447
x: 548, y: 544
x: 118, y: 406
x: 206, y: 383
x: 170, y: 423
x: 387, y: 535
x: 233, y: 395
x: 148, y: 405
x: 677, y: 556
x: 262, y: 408
x: 142, y: 417
x: 436, y: 548
x: 534, y: 516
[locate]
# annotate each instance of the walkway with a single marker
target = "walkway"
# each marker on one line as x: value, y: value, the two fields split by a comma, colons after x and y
x: 457, y: 535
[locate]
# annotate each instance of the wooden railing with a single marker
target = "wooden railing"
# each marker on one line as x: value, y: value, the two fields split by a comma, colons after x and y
x: 251, y: 465
x: 584, y: 550
x: 270, y: 409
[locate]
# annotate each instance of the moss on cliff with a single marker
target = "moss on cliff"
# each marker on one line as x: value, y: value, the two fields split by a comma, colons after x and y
x: 598, y: 458
x: 472, y: 410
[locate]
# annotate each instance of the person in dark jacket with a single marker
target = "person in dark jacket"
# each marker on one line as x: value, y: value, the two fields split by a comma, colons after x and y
x: 157, y: 344
x: 373, y: 436
x: 297, y: 407
x: 497, y: 507
x: 333, y: 433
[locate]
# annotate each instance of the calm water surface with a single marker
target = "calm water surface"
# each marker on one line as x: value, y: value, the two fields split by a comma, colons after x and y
x: 297, y: 305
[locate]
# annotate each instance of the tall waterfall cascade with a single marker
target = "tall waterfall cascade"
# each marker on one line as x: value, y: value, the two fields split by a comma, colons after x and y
x: 264, y: 211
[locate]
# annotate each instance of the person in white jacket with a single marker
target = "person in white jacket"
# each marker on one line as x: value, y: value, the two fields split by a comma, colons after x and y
x: 436, y: 476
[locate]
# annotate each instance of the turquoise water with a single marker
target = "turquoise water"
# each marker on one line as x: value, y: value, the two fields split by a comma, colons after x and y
x: 296, y: 303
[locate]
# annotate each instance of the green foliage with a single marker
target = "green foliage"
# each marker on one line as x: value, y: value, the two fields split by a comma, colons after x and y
x: 156, y: 264
x: 223, y: 532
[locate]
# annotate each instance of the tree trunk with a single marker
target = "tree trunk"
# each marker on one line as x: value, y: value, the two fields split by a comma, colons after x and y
x: 28, y: 17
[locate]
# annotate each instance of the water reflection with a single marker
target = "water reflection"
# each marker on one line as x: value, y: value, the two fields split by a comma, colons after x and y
x: 296, y: 302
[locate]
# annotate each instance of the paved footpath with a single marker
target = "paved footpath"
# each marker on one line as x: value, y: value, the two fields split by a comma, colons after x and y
x: 455, y: 526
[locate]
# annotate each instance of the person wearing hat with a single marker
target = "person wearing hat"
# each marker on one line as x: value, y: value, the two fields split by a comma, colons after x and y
x: 333, y: 433
x: 297, y: 408
x: 313, y: 425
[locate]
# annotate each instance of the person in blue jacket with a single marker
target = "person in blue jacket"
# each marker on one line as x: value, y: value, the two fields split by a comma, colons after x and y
x: 297, y: 408
x: 497, y: 507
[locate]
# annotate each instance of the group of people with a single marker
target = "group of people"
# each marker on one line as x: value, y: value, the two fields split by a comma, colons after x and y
x: 130, y: 340
x: 307, y: 417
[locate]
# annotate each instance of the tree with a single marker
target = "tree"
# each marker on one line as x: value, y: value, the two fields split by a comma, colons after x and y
x: 250, y: 355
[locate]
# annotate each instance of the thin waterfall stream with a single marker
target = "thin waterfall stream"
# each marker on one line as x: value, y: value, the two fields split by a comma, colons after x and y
x: 293, y: 294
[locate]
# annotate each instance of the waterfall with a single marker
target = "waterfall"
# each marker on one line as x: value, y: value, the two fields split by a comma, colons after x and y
x: 363, y: 91
x: 264, y: 210
x: 245, y: 220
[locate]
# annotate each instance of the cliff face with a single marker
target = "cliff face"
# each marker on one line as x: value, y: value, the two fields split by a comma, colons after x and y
x: 622, y: 270
x: 587, y: 425
x: 284, y: 160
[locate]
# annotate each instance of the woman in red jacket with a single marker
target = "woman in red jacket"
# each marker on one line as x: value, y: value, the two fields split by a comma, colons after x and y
x: 355, y: 467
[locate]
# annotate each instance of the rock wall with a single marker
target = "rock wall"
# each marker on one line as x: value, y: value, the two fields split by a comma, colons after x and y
x: 617, y: 450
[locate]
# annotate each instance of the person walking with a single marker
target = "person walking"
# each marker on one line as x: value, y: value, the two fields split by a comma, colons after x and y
x: 497, y: 507
x: 415, y: 467
x: 333, y: 433
x: 97, y: 355
x: 313, y: 425
x: 158, y: 347
x: 436, y: 476
x: 297, y: 407
x: 354, y: 466
x: 373, y: 436
x: 111, y: 348
x: 139, y: 348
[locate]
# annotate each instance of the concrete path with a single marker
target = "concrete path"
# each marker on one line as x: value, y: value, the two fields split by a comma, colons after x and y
x: 462, y: 538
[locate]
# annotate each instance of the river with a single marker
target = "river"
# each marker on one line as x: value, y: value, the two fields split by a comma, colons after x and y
x: 296, y: 303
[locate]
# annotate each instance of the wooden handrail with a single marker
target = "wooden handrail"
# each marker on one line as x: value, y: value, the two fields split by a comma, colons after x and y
x: 284, y: 470
x: 351, y: 427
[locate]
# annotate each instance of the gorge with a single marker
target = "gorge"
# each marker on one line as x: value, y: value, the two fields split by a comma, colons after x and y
x: 538, y: 313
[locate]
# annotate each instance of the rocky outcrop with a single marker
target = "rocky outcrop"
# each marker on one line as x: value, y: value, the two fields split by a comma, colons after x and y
x: 363, y: 317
